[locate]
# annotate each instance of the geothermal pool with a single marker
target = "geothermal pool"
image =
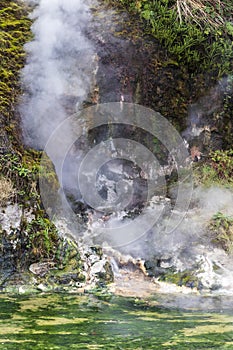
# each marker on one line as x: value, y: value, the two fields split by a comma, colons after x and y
x: 104, y: 321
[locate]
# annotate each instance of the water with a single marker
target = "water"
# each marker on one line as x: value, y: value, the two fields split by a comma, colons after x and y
x: 65, y: 321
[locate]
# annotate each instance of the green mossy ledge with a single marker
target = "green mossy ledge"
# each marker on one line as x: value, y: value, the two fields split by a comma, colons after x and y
x: 14, y: 33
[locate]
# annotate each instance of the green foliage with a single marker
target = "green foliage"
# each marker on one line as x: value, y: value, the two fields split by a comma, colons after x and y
x: 185, y: 278
x: 14, y: 32
x: 42, y: 238
x: 221, y: 229
x: 199, y: 36
x: 22, y: 171
x: 38, y: 239
x: 217, y: 169
x: 222, y: 163
x: 229, y: 28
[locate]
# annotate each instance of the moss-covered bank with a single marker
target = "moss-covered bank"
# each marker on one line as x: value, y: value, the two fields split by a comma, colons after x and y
x: 196, y: 33
x: 33, y: 254
x: 14, y: 32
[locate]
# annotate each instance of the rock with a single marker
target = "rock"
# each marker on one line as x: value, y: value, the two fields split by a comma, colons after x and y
x: 41, y: 269
x: 103, y: 270
x: 27, y: 289
x: 93, y: 259
x: 44, y: 288
x: 97, y: 267
x: 159, y: 266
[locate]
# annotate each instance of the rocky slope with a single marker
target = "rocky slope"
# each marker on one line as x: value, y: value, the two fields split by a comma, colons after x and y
x: 128, y: 66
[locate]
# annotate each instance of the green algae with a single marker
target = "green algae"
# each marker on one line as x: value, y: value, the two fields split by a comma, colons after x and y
x: 86, y: 322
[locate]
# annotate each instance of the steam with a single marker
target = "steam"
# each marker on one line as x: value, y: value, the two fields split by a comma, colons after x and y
x: 57, y: 78
x: 192, y: 231
x: 57, y: 73
x: 199, y: 114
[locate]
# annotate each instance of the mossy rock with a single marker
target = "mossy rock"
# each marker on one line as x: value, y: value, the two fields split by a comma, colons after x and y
x: 14, y: 33
x: 184, y: 278
x: 220, y: 230
x: 199, y: 42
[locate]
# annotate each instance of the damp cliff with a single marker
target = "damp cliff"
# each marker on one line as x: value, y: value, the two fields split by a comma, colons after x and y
x: 113, y: 54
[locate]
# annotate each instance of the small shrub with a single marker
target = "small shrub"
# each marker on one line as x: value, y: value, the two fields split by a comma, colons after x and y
x: 222, y: 163
x: 197, y: 33
x: 221, y: 229
x: 217, y: 169
x: 43, y: 238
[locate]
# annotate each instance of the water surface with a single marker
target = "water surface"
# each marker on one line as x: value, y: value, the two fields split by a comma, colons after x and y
x: 68, y: 321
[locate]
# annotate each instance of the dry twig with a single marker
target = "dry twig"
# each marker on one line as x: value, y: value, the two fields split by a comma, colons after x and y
x: 201, y: 12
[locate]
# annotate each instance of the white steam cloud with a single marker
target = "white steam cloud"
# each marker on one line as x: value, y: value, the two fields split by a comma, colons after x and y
x: 193, y: 229
x: 56, y: 75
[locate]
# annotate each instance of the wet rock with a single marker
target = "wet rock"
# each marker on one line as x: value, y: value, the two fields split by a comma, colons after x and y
x: 11, y: 216
x: 26, y: 289
x: 215, y: 287
x: 97, y: 267
x: 103, y: 270
x: 41, y: 269
x: 93, y: 259
x: 159, y: 266
x: 97, y: 250
x: 44, y: 288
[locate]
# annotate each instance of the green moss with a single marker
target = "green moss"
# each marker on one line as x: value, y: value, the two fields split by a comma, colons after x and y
x: 39, y: 242
x: 22, y: 169
x: 184, y: 278
x: 221, y: 230
x: 43, y: 238
x: 200, y: 41
x: 14, y: 32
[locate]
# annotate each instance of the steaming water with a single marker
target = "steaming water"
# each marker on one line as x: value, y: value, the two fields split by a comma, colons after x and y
x: 87, y: 322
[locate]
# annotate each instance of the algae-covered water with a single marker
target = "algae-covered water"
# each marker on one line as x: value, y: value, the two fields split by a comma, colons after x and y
x: 64, y: 321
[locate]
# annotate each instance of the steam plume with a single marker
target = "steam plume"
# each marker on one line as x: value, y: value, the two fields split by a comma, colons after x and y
x: 56, y: 72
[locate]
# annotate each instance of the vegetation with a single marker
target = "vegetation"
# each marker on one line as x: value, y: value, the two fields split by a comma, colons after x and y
x: 19, y: 167
x: 185, y: 278
x: 6, y: 190
x: 196, y: 33
x: 32, y: 241
x: 222, y: 163
x: 14, y: 32
x: 22, y: 171
x: 217, y: 169
x: 221, y: 229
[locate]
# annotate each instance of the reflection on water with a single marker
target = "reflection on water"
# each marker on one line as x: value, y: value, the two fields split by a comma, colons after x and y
x: 64, y: 321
